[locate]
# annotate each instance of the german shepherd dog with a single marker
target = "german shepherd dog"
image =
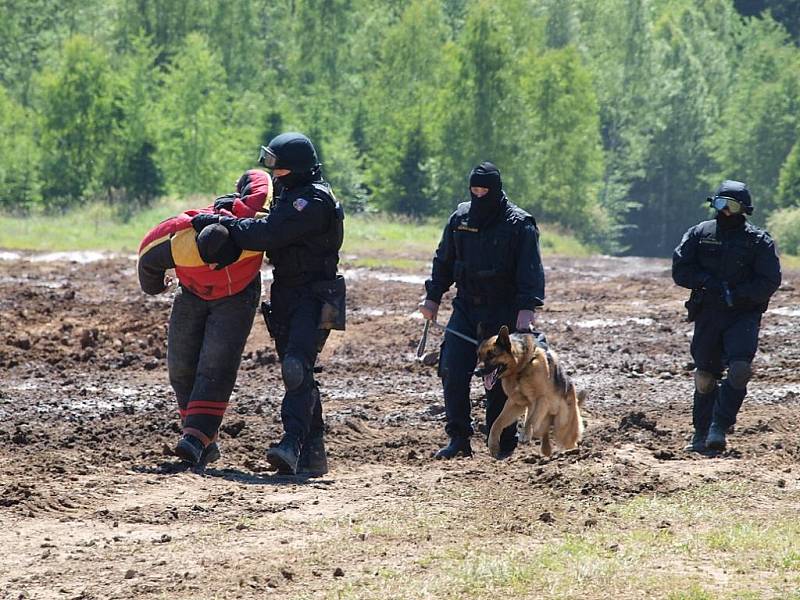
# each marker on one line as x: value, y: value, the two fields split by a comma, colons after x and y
x: 534, y: 381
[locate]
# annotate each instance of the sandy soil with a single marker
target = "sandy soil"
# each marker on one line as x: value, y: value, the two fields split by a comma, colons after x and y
x: 91, y: 507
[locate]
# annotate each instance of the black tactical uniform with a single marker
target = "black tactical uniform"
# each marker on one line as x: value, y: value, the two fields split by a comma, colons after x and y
x: 301, y: 236
x: 732, y: 269
x: 490, y: 249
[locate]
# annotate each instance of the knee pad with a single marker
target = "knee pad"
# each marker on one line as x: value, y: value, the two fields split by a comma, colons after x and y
x: 293, y: 372
x: 739, y: 373
x: 704, y: 382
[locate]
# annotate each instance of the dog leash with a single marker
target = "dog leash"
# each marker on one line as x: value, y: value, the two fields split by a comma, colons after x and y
x: 466, y: 338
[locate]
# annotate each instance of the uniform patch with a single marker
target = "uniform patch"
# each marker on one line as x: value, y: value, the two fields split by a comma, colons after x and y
x: 300, y: 204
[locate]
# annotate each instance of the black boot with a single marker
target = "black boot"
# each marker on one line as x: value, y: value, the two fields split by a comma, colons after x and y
x: 313, y: 461
x: 210, y: 454
x: 458, y: 446
x: 716, y: 438
x: 284, y: 455
x: 698, y: 442
x: 189, y: 449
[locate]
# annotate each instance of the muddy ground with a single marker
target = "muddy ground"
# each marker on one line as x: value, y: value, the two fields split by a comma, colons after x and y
x: 90, y: 507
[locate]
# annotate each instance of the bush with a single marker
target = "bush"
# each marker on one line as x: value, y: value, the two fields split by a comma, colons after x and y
x: 784, y: 226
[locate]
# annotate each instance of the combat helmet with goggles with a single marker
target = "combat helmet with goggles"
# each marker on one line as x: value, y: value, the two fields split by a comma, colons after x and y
x: 734, y: 196
x: 292, y: 151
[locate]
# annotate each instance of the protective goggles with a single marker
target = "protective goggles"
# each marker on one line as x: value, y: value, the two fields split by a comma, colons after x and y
x: 267, y: 158
x: 733, y: 205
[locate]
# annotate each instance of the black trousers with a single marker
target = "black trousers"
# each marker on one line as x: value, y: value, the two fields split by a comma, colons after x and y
x: 295, y: 317
x: 204, y: 349
x: 457, y: 362
x: 722, y: 336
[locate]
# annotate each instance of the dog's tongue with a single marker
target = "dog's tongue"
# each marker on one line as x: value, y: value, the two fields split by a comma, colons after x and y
x: 490, y: 379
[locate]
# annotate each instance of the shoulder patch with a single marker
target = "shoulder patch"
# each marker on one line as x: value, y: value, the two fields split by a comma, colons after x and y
x: 300, y: 204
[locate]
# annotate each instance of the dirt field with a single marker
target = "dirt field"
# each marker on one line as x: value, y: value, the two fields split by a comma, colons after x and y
x: 90, y: 507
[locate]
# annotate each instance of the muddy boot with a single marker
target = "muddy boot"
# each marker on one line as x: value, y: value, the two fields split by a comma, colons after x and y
x: 284, y: 455
x: 210, y: 454
x: 715, y: 440
x: 313, y: 461
x: 457, y: 447
x: 698, y: 442
x: 189, y: 449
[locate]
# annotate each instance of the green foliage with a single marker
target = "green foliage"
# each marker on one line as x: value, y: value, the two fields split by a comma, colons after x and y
x: 398, y: 136
x: 77, y: 122
x: 612, y: 119
x: 758, y: 123
x: 194, y: 148
x: 784, y: 226
x: 564, y: 149
x: 786, y: 12
x: 19, y: 177
x: 788, y: 193
x: 683, y: 107
x: 131, y: 174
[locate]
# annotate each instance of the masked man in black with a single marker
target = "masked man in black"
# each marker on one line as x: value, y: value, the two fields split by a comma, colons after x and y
x: 301, y: 236
x: 732, y: 268
x: 490, y: 250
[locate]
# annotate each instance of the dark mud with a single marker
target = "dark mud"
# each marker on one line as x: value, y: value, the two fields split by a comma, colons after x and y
x: 90, y: 504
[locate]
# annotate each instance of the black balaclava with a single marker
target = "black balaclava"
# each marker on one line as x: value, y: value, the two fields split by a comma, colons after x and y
x: 482, y: 210
x: 738, y: 191
x: 295, y: 179
x: 216, y: 246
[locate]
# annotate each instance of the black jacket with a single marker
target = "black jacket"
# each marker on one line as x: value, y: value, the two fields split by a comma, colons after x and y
x: 744, y: 257
x: 301, y: 235
x: 498, y: 264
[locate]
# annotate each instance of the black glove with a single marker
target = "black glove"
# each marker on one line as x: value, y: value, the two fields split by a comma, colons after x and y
x: 228, y: 254
x: 203, y: 220
x: 713, y: 286
x: 225, y: 202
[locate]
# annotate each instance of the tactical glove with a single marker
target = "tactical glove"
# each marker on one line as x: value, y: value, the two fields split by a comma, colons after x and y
x: 225, y: 202
x: 203, y: 220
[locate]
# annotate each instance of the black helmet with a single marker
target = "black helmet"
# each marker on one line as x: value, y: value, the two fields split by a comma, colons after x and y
x: 292, y: 151
x: 736, y: 191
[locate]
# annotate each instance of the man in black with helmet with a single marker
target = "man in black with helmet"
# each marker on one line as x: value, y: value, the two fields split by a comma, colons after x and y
x: 732, y: 268
x: 490, y: 249
x: 301, y: 235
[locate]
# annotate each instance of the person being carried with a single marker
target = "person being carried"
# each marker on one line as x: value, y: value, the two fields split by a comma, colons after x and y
x: 732, y: 268
x: 212, y: 311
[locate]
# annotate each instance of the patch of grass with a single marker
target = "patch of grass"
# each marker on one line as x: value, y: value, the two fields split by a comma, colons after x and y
x: 388, y: 262
x: 94, y: 227
x: 384, y: 241
x: 712, y: 542
x: 695, y: 592
x: 790, y: 262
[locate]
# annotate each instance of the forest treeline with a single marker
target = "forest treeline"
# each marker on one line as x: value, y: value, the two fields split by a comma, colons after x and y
x: 613, y: 119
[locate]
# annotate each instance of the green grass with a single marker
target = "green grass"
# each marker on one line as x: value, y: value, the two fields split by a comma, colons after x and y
x: 381, y: 241
x: 723, y: 541
x: 790, y: 262
x: 96, y: 227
